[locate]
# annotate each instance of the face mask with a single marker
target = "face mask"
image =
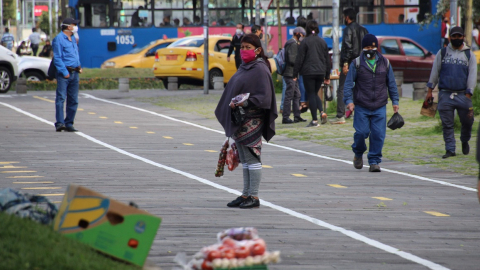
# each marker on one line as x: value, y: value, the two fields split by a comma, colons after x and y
x: 248, y: 55
x: 456, y: 42
x: 238, y: 31
x: 370, y: 53
x: 261, y: 36
x: 75, y: 29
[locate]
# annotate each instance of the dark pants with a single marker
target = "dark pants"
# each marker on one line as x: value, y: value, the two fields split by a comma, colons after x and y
x: 340, y: 104
x: 312, y: 86
x: 34, y: 49
x: 67, y: 89
x: 446, y: 108
x: 369, y: 124
x: 238, y: 60
x: 292, y: 93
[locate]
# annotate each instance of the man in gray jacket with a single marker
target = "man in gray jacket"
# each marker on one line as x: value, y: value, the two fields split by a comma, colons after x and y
x: 292, y: 91
x: 455, y: 72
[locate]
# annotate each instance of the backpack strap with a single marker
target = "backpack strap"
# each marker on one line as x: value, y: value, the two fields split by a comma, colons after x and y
x: 357, y: 62
x: 443, y: 52
x: 467, y: 53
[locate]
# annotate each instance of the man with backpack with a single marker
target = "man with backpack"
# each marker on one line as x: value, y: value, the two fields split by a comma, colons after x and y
x: 292, y: 91
x: 455, y: 72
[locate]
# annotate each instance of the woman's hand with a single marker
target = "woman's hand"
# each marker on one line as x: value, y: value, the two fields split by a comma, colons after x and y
x: 232, y: 105
x: 326, y: 81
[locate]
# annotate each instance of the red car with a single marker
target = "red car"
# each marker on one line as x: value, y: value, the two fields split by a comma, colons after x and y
x: 408, y: 56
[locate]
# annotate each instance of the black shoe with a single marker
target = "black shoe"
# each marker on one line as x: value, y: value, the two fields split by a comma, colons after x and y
x: 374, y: 168
x: 60, y: 127
x: 357, y: 163
x: 299, y: 119
x: 465, y: 148
x: 71, y: 129
x: 236, y: 203
x: 313, y: 124
x: 450, y: 154
x: 250, y: 202
x: 287, y: 121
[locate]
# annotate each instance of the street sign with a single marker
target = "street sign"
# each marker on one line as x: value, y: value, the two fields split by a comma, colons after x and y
x: 265, y: 4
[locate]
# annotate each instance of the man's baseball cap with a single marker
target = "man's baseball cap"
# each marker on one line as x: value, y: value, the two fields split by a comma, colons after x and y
x: 299, y: 30
x: 456, y: 30
x: 70, y: 21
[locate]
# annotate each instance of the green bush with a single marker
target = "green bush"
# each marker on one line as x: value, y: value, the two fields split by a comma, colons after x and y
x: 476, y: 101
x: 99, y: 83
x: 277, y: 83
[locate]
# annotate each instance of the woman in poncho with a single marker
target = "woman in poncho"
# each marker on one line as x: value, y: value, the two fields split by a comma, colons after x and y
x: 253, y: 77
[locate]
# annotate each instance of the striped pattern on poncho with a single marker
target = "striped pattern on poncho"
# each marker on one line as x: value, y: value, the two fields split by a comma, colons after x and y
x: 250, y: 133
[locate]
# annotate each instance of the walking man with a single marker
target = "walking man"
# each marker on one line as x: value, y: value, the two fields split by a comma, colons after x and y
x: 34, y: 41
x: 67, y: 63
x: 370, y: 78
x: 8, y: 39
x: 351, y: 49
x: 236, y: 42
x: 292, y: 91
x: 455, y: 72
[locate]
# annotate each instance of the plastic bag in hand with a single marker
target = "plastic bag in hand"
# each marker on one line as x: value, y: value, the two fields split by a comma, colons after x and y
x: 395, y: 122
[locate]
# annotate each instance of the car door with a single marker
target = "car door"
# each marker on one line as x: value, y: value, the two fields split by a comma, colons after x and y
x: 220, y: 55
x: 390, y: 48
x: 149, y: 56
x: 418, y: 65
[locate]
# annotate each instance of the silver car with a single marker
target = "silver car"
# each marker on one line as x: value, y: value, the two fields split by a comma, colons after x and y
x: 33, y: 68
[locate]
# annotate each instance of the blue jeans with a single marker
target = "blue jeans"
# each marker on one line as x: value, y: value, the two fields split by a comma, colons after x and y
x: 446, y: 108
x: 284, y: 87
x: 373, y: 124
x: 301, y: 86
x: 66, y: 89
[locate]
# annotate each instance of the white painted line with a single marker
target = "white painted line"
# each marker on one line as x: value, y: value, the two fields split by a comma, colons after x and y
x: 349, y: 233
x: 285, y: 147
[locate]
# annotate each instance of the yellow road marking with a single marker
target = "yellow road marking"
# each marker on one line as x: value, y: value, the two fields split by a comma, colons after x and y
x: 336, y: 186
x: 382, y: 198
x: 150, y: 132
x: 437, y: 214
x: 8, y: 162
x: 17, y: 171
x: 42, y: 188
x: 45, y: 182
x: 211, y: 151
x: 52, y: 194
x: 133, y: 127
x: 267, y: 166
x: 103, y: 117
x: 187, y: 144
x: 26, y: 176
x: 91, y: 113
x: 298, y: 175
x: 12, y: 167
x: 167, y: 137
x: 44, y: 99
x: 118, y: 122
x: 80, y: 109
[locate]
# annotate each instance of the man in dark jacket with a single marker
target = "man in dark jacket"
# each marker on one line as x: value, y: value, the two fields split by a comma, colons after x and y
x: 236, y: 42
x: 371, y: 80
x: 292, y: 91
x: 351, y: 49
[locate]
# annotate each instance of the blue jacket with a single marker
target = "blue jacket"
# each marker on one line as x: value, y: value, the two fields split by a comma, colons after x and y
x: 65, y: 53
x: 370, y: 89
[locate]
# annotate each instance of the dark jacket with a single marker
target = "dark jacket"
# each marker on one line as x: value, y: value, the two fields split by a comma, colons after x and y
x: 312, y: 58
x: 291, y: 51
x: 236, y: 42
x: 352, y: 42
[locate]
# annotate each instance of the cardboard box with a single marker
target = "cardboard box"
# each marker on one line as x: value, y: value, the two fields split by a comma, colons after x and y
x: 109, y: 226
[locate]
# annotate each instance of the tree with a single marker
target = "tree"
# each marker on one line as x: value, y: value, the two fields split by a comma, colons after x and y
x: 8, y: 11
x: 44, y: 24
x: 443, y: 6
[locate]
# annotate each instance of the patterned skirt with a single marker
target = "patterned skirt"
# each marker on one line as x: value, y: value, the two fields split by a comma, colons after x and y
x: 250, y: 134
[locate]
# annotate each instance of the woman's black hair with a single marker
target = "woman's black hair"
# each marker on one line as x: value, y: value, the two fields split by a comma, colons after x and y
x: 255, y: 41
x: 255, y: 28
x: 312, y: 28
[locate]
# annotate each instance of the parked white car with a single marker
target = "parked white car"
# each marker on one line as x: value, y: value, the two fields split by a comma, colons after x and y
x: 8, y: 69
x: 33, y: 68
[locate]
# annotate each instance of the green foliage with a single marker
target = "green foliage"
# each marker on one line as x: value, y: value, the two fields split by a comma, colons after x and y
x: 99, y: 83
x: 277, y: 83
x: 44, y: 24
x: 476, y: 101
x: 9, y: 12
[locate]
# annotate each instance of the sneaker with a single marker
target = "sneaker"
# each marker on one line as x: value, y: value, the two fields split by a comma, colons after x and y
x: 449, y: 154
x: 358, y: 163
x: 299, y: 119
x: 237, y: 202
x: 250, y: 202
x: 303, y: 107
x: 338, y: 120
x: 465, y: 148
x: 348, y: 114
x: 324, y: 118
x: 313, y: 124
x: 287, y: 121
x: 374, y: 168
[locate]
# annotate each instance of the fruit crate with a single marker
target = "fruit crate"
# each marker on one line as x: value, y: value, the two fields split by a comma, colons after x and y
x: 253, y: 267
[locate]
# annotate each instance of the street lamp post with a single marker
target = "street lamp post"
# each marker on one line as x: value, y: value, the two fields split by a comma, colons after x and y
x: 206, y: 77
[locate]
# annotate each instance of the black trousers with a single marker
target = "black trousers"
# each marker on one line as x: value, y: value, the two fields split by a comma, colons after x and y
x: 34, y: 49
x: 238, y: 60
x: 312, y: 86
x: 340, y: 104
x: 292, y: 95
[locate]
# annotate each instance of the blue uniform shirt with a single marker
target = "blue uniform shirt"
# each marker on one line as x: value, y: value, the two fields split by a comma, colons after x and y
x: 65, y: 53
x: 352, y: 77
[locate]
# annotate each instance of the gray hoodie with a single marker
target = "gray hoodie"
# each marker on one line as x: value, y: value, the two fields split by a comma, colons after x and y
x: 455, y: 72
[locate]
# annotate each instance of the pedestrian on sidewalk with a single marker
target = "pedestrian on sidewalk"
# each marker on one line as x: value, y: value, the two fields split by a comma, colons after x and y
x: 253, y: 77
x: 313, y: 62
x: 7, y: 39
x: 292, y: 91
x: 67, y: 63
x: 34, y: 41
x: 351, y: 48
x: 235, y: 45
x: 455, y: 72
x: 369, y: 82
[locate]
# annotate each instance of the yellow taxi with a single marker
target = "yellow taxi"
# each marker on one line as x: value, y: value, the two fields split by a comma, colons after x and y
x: 142, y: 57
x: 184, y: 59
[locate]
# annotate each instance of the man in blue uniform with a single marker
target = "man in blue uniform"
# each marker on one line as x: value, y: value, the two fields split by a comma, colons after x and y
x: 67, y: 63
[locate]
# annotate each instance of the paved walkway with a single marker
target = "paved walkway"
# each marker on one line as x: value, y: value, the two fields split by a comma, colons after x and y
x: 318, y: 210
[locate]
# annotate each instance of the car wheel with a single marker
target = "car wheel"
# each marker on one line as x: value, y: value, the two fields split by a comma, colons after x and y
x: 214, y: 73
x: 34, y: 76
x: 5, y: 80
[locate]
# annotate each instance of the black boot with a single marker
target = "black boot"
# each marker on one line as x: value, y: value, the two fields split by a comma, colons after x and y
x: 250, y: 202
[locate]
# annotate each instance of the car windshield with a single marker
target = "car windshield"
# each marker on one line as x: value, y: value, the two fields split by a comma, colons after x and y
x: 187, y: 42
x: 137, y: 50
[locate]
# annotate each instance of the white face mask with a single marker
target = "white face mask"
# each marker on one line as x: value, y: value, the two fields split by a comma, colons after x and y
x: 75, y: 29
x: 238, y: 31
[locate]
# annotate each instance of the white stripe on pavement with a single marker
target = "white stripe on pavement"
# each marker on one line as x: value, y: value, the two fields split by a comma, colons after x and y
x: 349, y: 233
